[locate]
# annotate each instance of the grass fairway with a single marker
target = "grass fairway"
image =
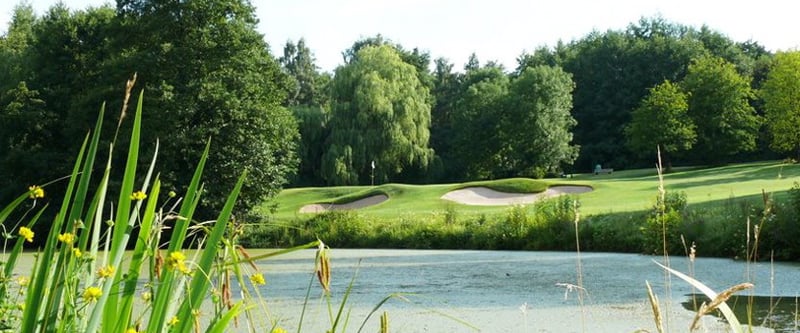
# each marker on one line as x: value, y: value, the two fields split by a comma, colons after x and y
x: 623, y: 191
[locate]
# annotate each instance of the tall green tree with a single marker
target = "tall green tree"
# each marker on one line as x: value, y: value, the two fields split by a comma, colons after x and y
x: 53, y: 64
x: 476, y: 121
x: 719, y: 104
x: 312, y: 122
x: 447, y: 85
x: 15, y: 47
x: 662, y: 120
x: 536, y: 127
x: 781, y: 96
x: 381, y: 113
x: 209, y: 75
x: 309, y: 88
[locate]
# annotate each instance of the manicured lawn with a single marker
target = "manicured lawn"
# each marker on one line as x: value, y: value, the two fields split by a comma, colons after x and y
x: 622, y: 191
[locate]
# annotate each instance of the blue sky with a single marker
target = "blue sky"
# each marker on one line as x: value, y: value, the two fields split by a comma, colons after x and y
x: 494, y: 29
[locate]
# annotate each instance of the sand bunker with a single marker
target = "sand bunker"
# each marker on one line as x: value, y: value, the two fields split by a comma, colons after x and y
x: 361, y: 203
x: 482, y: 196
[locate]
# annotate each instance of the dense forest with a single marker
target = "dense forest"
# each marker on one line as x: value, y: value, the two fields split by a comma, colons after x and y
x: 388, y: 113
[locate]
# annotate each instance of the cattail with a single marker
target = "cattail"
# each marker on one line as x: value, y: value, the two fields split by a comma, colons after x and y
x: 159, y: 264
x: 656, y: 308
x: 323, y: 267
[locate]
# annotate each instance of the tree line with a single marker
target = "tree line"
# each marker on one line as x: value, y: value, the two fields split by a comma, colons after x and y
x: 610, y: 98
x: 387, y: 113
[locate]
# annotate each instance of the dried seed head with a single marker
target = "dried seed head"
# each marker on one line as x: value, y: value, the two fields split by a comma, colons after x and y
x: 246, y: 256
x: 324, y: 267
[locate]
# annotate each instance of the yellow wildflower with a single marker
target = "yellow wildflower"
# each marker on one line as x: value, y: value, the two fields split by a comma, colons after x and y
x: 36, y: 192
x: 258, y: 279
x: 23, y: 281
x: 132, y: 330
x: 173, y: 321
x: 278, y: 330
x: 105, y: 272
x: 77, y: 252
x: 67, y: 238
x: 177, y: 261
x: 92, y: 294
x: 26, y: 233
x: 138, y: 195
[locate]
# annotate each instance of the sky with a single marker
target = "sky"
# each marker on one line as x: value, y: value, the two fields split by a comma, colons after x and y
x: 498, y: 30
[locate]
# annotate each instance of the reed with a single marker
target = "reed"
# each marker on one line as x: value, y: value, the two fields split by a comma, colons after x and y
x: 83, y: 278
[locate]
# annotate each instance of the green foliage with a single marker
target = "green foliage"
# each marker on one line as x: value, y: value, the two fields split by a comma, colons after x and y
x: 476, y: 119
x: 380, y: 113
x: 210, y: 74
x: 662, y: 229
x: 310, y: 87
x: 76, y: 281
x: 781, y: 95
x: 537, y: 123
x: 719, y: 106
x: 661, y: 120
x: 312, y: 123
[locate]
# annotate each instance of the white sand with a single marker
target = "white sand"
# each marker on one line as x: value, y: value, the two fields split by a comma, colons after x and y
x: 361, y: 203
x: 482, y: 196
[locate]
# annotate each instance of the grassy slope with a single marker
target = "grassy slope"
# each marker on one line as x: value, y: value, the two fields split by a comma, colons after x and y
x: 622, y: 191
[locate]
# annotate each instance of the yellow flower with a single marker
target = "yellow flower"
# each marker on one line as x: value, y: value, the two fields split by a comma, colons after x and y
x: 131, y: 330
x: 36, y: 192
x: 173, y: 321
x: 278, y: 330
x: 105, y: 272
x: 147, y: 296
x: 26, y: 233
x: 176, y: 261
x: 258, y: 279
x: 77, y: 252
x: 23, y: 281
x: 67, y: 238
x: 92, y: 294
x: 138, y: 195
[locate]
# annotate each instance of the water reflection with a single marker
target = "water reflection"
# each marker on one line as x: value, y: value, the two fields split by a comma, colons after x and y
x: 778, y: 313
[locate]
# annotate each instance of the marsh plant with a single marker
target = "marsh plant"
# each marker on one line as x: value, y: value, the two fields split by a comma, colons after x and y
x: 83, y: 279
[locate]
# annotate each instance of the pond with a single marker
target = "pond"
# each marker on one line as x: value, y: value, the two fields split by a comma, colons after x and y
x: 498, y: 291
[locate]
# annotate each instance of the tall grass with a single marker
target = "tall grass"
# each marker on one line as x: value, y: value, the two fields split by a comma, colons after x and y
x: 84, y: 280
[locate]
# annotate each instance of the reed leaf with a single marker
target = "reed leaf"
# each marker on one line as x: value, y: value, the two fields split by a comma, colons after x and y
x: 200, y: 283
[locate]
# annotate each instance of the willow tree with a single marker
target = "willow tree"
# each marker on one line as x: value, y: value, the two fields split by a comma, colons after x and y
x: 380, y: 113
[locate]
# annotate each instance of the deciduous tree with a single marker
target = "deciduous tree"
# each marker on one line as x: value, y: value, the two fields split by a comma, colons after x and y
x: 719, y: 105
x: 537, y: 123
x: 662, y: 120
x: 781, y: 95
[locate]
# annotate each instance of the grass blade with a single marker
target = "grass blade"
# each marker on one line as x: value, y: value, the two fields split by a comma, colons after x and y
x: 199, y: 285
x: 711, y: 294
